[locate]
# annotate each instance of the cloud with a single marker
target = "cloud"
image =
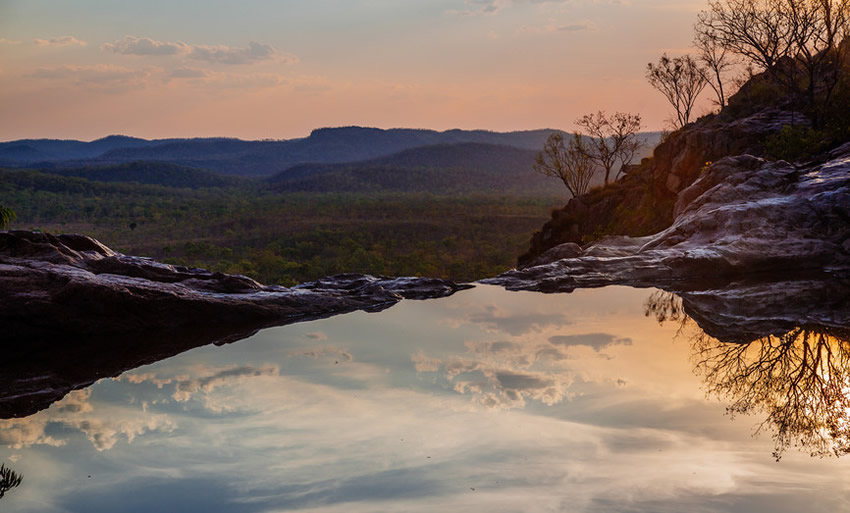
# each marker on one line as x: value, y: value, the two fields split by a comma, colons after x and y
x: 580, y: 26
x: 503, y: 374
x: 186, y: 388
x: 323, y: 352
x: 596, y: 341
x: 494, y: 319
x: 226, y: 81
x: 255, y: 52
x: 481, y: 7
x: 316, y: 335
x: 103, y: 429
x: 107, y: 77
x: 220, y: 54
x: 60, y: 41
x: 132, y: 45
x: 552, y: 27
x: 490, y: 7
x: 4, y: 41
x: 188, y: 73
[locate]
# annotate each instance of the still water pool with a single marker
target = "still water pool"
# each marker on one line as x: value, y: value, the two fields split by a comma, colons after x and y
x: 488, y: 401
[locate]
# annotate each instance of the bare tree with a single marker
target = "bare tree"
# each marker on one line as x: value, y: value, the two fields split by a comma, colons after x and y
x: 797, y: 42
x: 614, y: 139
x: 681, y: 80
x: 716, y: 59
x: 8, y: 479
x: 568, y: 162
x: 799, y: 379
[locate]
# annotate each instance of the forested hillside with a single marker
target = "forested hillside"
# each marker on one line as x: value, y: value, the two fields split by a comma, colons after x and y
x: 284, y: 238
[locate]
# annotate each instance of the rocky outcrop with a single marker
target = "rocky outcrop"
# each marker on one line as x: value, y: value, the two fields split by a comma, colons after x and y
x: 642, y: 201
x: 74, y: 311
x: 744, y: 216
x: 743, y: 311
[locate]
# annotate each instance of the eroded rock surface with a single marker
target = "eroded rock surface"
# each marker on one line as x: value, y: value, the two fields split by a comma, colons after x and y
x: 73, y: 311
x: 743, y: 217
x: 743, y: 311
x: 642, y: 201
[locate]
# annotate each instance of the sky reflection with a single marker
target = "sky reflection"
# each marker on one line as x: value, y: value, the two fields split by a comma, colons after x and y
x: 487, y: 400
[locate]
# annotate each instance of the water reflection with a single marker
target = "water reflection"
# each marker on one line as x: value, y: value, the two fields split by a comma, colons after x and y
x: 8, y: 479
x: 488, y: 400
x: 798, y: 379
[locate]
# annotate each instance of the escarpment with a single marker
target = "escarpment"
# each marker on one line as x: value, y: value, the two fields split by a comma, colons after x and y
x: 642, y: 202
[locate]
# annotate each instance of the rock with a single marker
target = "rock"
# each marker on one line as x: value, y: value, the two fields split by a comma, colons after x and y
x: 74, y: 311
x: 646, y: 200
x: 566, y: 250
x: 741, y: 312
x: 744, y: 217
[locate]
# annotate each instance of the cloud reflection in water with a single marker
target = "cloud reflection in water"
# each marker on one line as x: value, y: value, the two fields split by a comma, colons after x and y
x: 434, y: 408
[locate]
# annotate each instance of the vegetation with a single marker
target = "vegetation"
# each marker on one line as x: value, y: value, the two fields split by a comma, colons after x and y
x: 285, y: 238
x: 681, y: 80
x: 8, y: 479
x: 613, y: 139
x: 570, y: 164
x: 7, y: 215
x: 795, y: 143
x: 800, y: 44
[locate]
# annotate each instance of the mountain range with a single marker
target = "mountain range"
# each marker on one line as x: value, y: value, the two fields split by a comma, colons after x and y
x: 345, y: 159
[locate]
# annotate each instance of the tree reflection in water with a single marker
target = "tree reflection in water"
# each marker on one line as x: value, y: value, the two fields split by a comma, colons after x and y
x: 799, y: 378
x: 8, y: 479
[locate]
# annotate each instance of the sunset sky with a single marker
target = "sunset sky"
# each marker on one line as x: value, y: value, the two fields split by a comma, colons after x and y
x: 277, y: 69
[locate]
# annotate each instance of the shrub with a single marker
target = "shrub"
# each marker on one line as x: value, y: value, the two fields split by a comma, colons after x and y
x: 795, y: 143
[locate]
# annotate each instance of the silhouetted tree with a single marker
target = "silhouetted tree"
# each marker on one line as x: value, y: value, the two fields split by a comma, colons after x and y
x: 799, y: 43
x: 8, y: 479
x: 716, y: 59
x: 568, y: 162
x: 800, y: 380
x: 613, y: 139
x: 680, y: 80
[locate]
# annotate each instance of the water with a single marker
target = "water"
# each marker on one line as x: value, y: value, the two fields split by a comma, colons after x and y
x: 485, y: 401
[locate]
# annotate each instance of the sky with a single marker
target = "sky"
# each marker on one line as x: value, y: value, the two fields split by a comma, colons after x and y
x: 258, y: 69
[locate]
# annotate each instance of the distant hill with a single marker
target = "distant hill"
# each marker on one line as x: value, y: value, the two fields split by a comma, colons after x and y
x: 462, y: 168
x: 257, y: 158
x: 250, y: 158
x: 151, y: 173
x: 327, y: 145
x: 57, y: 149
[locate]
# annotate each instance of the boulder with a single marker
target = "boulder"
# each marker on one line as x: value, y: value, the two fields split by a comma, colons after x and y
x: 74, y: 311
x: 744, y: 216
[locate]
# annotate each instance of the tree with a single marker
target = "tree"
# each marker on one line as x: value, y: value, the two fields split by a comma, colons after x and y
x: 614, y: 139
x: 681, y: 80
x: 8, y: 479
x: 799, y: 380
x: 716, y: 60
x: 7, y: 215
x: 568, y: 162
x: 797, y: 42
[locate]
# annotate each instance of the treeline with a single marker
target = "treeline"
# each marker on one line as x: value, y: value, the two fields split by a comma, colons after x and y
x: 285, y: 238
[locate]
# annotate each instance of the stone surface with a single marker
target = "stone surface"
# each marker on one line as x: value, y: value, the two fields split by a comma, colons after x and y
x: 743, y: 311
x: 74, y: 311
x: 743, y: 217
x: 643, y: 200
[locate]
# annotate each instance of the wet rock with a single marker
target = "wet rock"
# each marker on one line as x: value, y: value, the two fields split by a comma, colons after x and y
x: 743, y: 217
x: 74, y: 311
x: 741, y: 312
x: 651, y: 195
